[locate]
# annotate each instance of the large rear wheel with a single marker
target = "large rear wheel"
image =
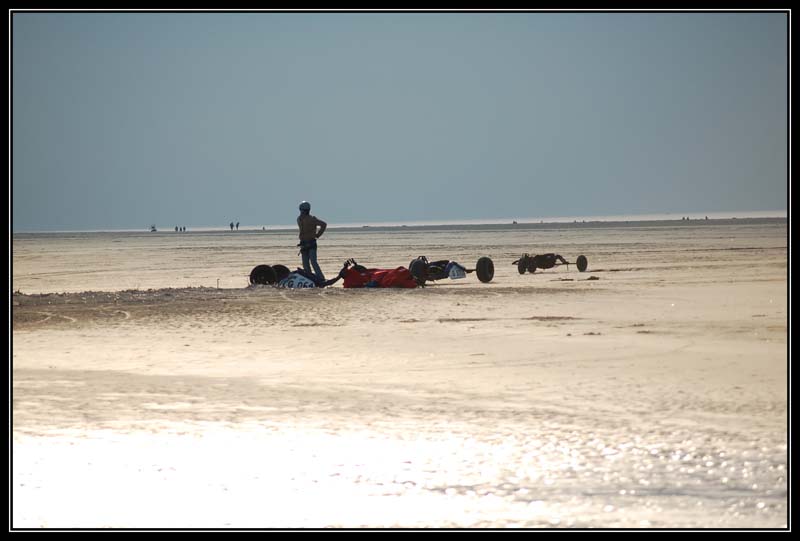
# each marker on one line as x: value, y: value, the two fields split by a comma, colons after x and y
x: 262, y: 274
x: 582, y: 263
x: 485, y: 269
x: 281, y: 272
x: 419, y: 270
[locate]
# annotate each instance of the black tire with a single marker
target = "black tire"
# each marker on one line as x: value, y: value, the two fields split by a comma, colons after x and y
x: 281, y: 272
x: 582, y: 263
x: 522, y: 264
x: 419, y: 270
x: 262, y: 274
x: 485, y: 269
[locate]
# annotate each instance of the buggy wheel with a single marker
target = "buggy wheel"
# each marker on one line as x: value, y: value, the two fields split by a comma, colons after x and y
x: 485, y: 269
x: 522, y: 264
x: 262, y: 274
x: 582, y: 263
x: 281, y: 272
x: 419, y: 270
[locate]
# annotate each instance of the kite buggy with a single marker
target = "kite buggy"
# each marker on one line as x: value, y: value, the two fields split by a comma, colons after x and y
x: 354, y: 275
x: 530, y: 263
x: 426, y: 271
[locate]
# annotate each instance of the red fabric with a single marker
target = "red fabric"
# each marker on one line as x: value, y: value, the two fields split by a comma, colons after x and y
x: 399, y: 277
x: 353, y: 278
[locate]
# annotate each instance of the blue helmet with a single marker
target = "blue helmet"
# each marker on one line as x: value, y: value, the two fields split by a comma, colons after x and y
x: 305, y: 206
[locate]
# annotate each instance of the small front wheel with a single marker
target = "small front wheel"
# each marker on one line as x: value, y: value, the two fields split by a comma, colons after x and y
x: 522, y: 264
x: 582, y: 263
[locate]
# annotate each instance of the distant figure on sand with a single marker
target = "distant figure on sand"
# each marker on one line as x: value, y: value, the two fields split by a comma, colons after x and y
x: 231, y: 226
x: 237, y: 226
x: 308, y: 238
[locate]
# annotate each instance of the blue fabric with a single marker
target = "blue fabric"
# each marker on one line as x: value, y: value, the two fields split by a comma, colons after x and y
x: 310, y: 260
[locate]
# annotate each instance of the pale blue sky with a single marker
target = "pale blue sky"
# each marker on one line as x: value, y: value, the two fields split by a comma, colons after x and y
x: 121, y: 120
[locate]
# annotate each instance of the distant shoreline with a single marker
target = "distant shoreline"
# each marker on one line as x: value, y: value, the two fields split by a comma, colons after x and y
x: 488, y: 226
x: 565, y: 225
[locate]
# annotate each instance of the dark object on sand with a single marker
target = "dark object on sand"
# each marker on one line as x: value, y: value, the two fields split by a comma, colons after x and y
x: 354, y: 275
x: 530, y: 263
x: 419, y: 271
x: 281, y: 272
x: 263, y: 274
x: 268, y: 274
x: 426, y: 271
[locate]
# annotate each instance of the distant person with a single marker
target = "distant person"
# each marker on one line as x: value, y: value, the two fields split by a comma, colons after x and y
x: 231, y: 226
x: 308, y: 238
x: 237, y: 226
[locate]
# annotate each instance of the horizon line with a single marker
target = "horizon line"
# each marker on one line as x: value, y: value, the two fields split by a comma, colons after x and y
x: 542, y: 220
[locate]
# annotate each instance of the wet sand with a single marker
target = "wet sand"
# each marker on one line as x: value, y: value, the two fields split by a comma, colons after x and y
x: 649, y: 391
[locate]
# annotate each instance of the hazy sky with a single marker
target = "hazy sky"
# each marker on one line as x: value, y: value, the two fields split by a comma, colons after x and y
x: 121, y: 120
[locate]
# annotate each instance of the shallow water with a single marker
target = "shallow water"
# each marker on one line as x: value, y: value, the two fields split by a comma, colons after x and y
x: 436, y: 473
x: 654, y: 397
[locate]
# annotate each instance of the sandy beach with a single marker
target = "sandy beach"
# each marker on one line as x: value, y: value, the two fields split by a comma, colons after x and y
x: 153, y: 388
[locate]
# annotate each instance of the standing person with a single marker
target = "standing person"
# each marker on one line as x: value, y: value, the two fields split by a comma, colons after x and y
x: 237, y: 226
x: 308, y: 238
